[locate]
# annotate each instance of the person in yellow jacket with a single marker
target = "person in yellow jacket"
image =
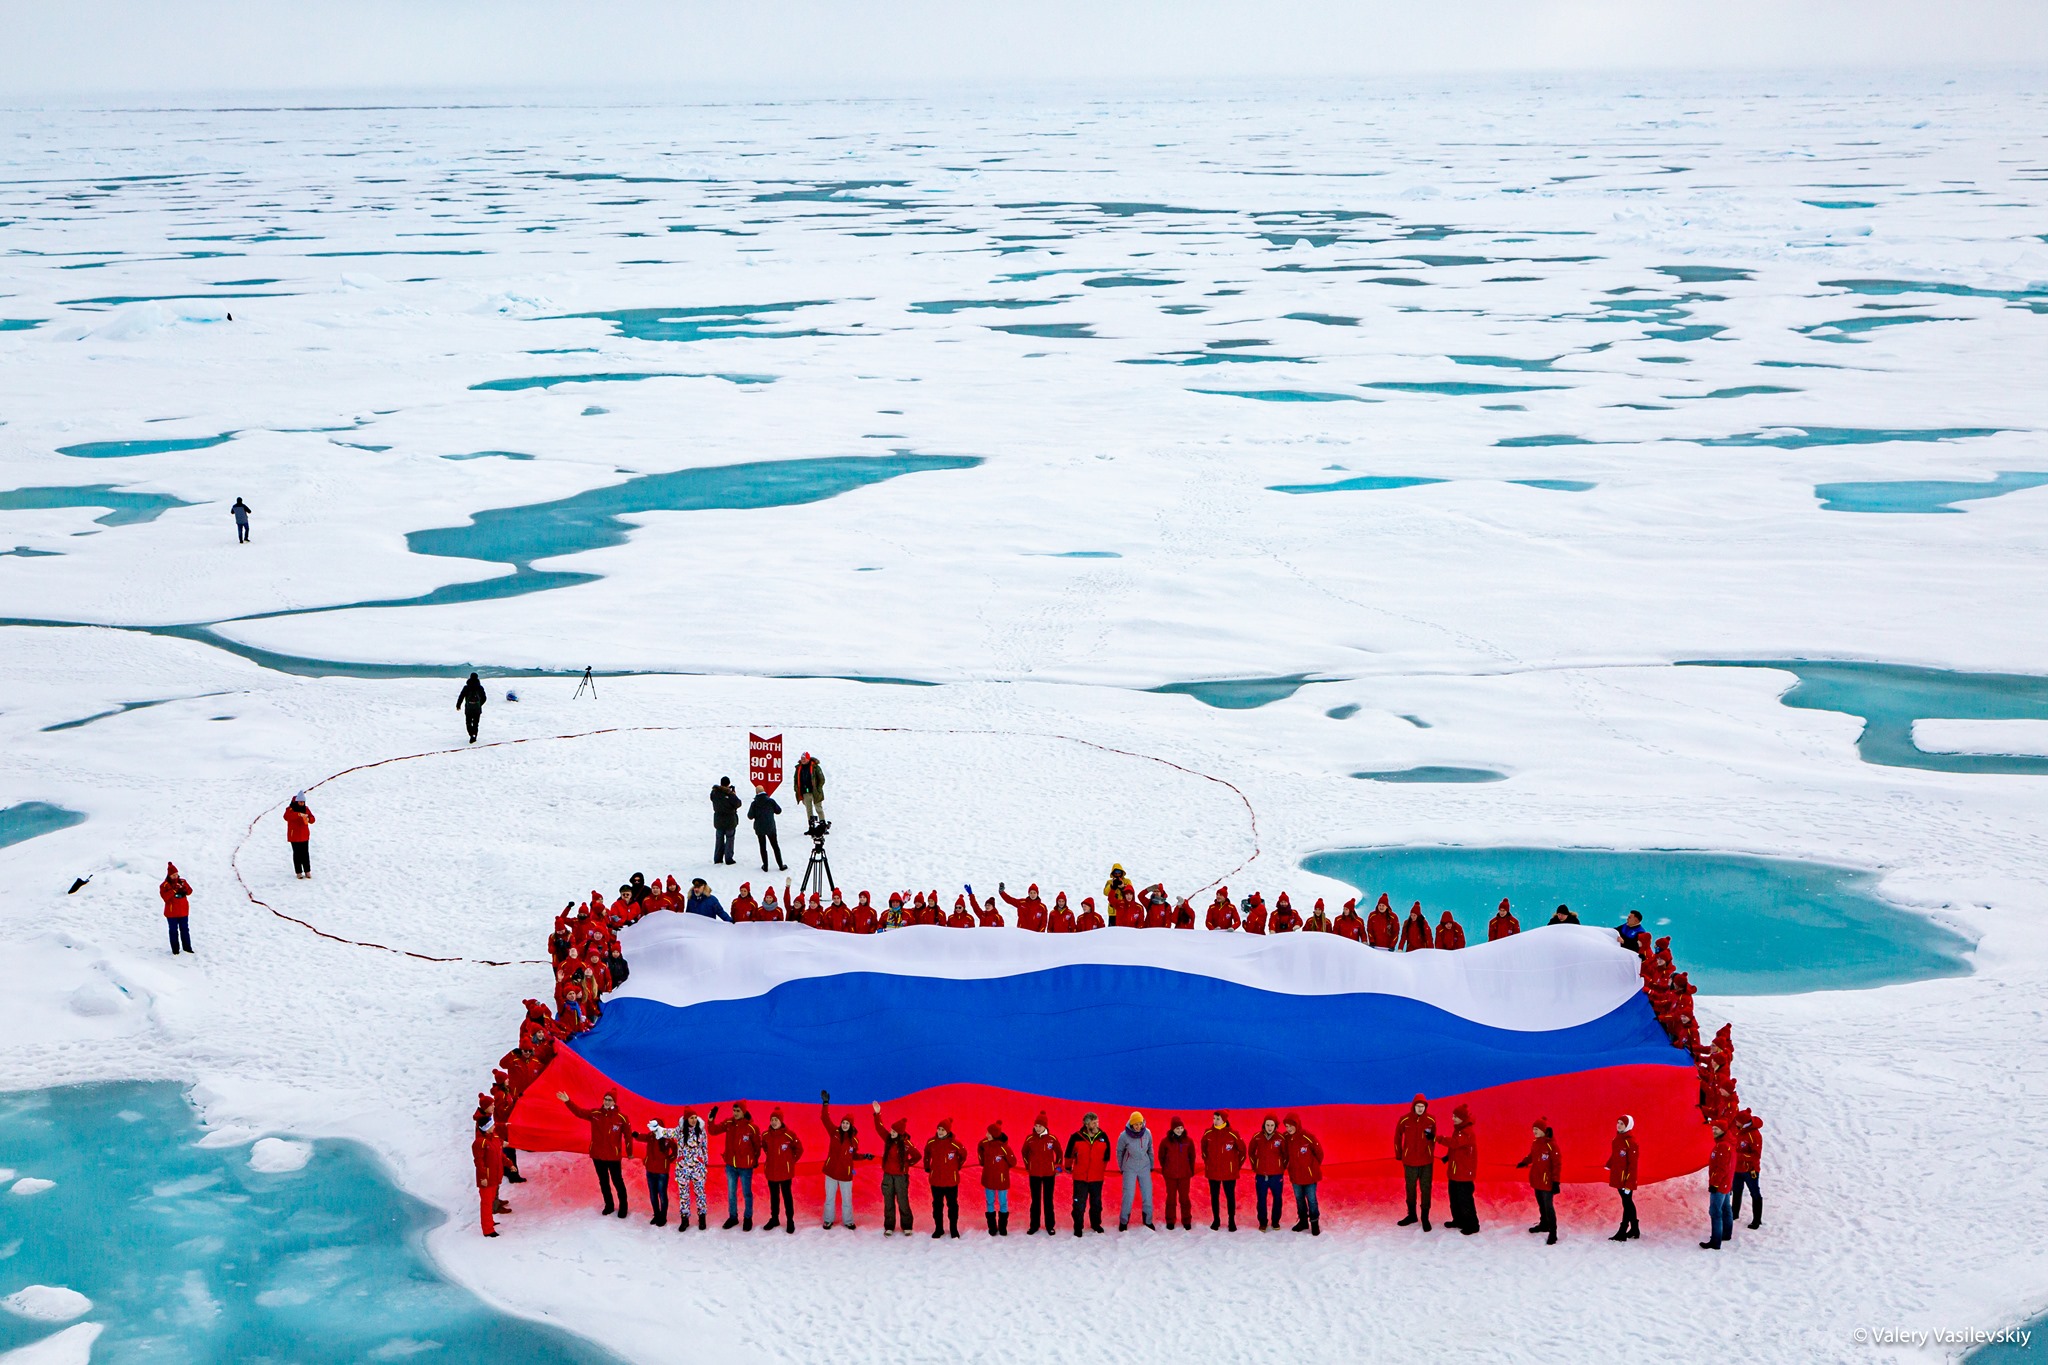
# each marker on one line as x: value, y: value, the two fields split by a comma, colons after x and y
x: 1117, y: 893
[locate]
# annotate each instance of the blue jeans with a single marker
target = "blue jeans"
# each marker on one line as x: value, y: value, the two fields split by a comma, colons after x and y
x: 1720, y: 1216
x: 1137, y: 1183
x: 1275, y: 1186
x: 838, y: 1195
x: 1306, y: 1205
x: 181, y: 933
x: 739, y: 1178
x: 998, y: 1200
x: 657, y: 1194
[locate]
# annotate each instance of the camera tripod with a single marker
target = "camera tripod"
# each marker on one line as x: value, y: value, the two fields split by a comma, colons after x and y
x: 818, y: 872
x: 588, y: 682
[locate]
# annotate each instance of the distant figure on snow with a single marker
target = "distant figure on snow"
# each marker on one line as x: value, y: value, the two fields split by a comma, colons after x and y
x: 809, y: 784
x: 725, y: 819
x: 470, y: 701
x: 177, y: 897
x: 298, y: 832
x: 241, y: 515
x: 762, y: 811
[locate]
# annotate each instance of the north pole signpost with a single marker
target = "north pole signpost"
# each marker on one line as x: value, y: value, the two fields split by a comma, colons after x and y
x: 764, y: 761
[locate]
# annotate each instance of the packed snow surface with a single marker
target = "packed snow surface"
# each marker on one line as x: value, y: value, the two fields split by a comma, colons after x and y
x: 1561, y: 366
x: 47, y: 1303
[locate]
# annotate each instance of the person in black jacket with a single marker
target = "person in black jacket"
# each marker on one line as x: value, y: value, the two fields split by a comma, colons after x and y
x: 762, y: 811
x: 470, y: 701
x: 725, y: 818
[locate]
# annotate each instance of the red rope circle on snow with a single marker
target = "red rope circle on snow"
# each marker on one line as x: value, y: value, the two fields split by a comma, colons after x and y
x: 235, y: 859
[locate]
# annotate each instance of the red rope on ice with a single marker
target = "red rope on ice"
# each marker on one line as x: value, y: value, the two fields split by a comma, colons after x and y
x: 235, y: 859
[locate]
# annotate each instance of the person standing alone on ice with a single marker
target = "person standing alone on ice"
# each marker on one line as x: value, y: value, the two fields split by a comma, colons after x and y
x: 177, y: 898
x: 611, y: 1133
x: 1621, y: 1174
x: 761, y: 811
x: 1134, y: 1155
x: 1415, y: 1147
x: 809, y: 784
x: 725, y: 820
x: 241, y: 512
x: 298, y: 832
x: 470, y: 702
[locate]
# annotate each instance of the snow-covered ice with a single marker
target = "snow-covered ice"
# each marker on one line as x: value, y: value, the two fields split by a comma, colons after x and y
x: 47, y: 1303
x: 1598, y: 343
x: 275, y: 1156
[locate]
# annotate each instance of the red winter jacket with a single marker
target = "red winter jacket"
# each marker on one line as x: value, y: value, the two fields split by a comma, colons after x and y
x: 1461, y: 1153
x: 176, y: 892
x: 1349, y: 925
x: 657, y: 1153
x: 1062, y: 920
x: 780, y: 1151
x: 899, y: 1154
x: 944, y: 1158
x: 1749, y: 1147
x: 1088, y: 1157
x: 742, y: 1138
x: 842, y: 1149
x: 1382, y: 928
x: 1089, y: 919
x: 1449, y: 933
x: 1222, y: 915
x: 1255, y: 918
x: 1304, y: 1156
x: 611, y: 1132
x: 863, y: 920
x: 1030, y: 911
x: 1415, y: 933
x: 1268, y: 1152
x: 1543, y: 1162
x: 298, y: 826
x: 1222, y: 1153
x: 1177, y: 1155
x: 1415, y: 1139
x: 1621, y: 1162
x: 1041, y: 1155
x: 997, y: 1160
x: 487, y: 1150
x: 1502, y: 925
x: 1721, y: 1166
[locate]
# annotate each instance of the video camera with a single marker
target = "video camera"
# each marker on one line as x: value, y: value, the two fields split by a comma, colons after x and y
x: 818, y: 828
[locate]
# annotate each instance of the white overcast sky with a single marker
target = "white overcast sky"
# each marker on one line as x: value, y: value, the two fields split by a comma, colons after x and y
x: 86, y: 48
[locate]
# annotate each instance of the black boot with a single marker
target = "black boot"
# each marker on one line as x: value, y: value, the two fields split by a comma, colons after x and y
x: 1757, y: 1220
x: 938, y: 1232
x: 1714, y: 1245
x: 1425, y: 1224
x: 1406, y: 1221
x: 1300, y: 1224
x: 1315, y: 1226
x: 746, y: 1225
x: 1620, y: 1234
x: 1233, y: 1222
x: 790, y: 1226
x: 731, y: 1223
x: 1034, y: 1226
x: 774, y: 1222
x: 700, y: 1222
x: 1551, y: 1240
x: 1002, y: 1225
x: 991, y: 1225
x: 1077, y: 1225
x: 658, y: 1221
x: 1215, y: 1225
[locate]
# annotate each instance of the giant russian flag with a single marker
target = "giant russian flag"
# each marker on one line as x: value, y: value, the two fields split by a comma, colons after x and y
x: 975, y: 1025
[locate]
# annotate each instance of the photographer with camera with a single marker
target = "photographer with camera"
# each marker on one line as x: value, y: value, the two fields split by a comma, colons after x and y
x: 725, y: 820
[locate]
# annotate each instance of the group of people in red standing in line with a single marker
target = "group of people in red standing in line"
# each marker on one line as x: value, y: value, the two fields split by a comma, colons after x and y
x: 588, y: 963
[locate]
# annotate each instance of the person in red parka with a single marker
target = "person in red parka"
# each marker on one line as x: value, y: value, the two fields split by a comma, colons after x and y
x: 1304, y: 1157
x: 1318, y: 921
x: 1268, y: 1155
x: 1720, y: 1186
x: 487, y: 1151
x: 1382, y: 926
x: 1749, y: 1159
x: 1089, y: 918
x: 659, y: 1147
x: 944, y: 1158
x: 742, y: 1155
x: 1253, y: 916
x: 1449, y: 933
x: 1222, y: 1159
x: 863, y: 920
x: 997, y: 1160
x: 781, y: 1149
x: 1030, y: 910
x: 1177, y: 1173
x: 1183, y: 914
x: 1349, y: 924
x: 744, y: 908
x: 610, y: 1137
x: 1415, y: 933
x: 986, y: 915
x: 1545, y: 1165
x: 1621, y: 1175
x: 838, y: 915
x: 177, y: 897
x: 1062, y: 918
x: 899, y: 1155
x: 1041, y: 1162
x: 1222, y: 914
x: 1087, y: 1159
x: 1503, y: 924
x: 298, y: 832
x: 1461, y: 1168
x: 1415, y: 1149
x: 842, y: 1153
x: 960, y: 918
x: 1286, y: 919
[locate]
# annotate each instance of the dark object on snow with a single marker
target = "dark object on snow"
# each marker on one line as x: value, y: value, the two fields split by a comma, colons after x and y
x: 76, y: 884
x: 470, y: 701
x: 241, y: 512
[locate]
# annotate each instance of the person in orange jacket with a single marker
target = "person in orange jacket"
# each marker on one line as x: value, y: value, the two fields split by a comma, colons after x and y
x: 177, y: 898
x: 1089, y: 918
x: 781, y: 1149
x: 610, y: 1137
x: 1177, y: 1173
x: 1350, y: 924
x: 1268, y: 1156
x: 1621, y: 1175
x: 1503, y: 924
x: 1222, y: 914
x: 1415, y: 1149
x: 298, y: 832
x: 1041, y: 1161
x: 1222, y: 1159
x: 1544, y: 1165
x: 899, y: 1156
x: 487, y: 1151
x: 1720, y: 1186
x: 1449, y: 933
x: 1461, y: 1169
x: 944, y: 1158
x: 997, y: 1161
x: 1382, y: 927
x: 1305, y: 1171
x: 742, y: 1155
x: 1415, y: 933
x: 1087, y: 1158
